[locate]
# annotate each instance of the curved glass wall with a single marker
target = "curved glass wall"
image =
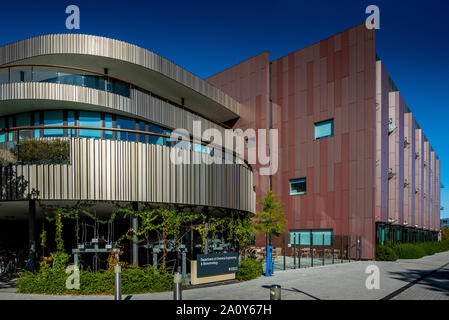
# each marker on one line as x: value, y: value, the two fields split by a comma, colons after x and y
x: 92, y: 119
x: 64, y: 76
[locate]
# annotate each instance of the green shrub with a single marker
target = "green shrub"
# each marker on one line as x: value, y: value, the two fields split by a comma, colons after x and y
x: 384, y: 253
x: 55, y: 151
x: 52, y: 280
x: 418, y: 250
x: 249, y: 269
x: 408, y: 251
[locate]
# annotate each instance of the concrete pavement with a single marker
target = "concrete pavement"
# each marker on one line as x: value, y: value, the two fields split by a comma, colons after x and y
x: 341, y: 281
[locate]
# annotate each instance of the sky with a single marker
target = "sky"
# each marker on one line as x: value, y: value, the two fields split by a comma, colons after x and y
x: 206, y: 37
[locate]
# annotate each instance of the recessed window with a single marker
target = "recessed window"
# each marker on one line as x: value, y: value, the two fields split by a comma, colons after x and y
x: 324, y: 129
x: 298, y: 186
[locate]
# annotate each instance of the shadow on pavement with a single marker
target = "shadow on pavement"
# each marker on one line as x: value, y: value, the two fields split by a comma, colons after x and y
x: 436, y: 280
x: 6, y: 282
x: 294, y: 290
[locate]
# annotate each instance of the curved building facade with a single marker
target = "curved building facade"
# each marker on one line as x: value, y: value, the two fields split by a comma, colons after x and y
x: 116, y: 104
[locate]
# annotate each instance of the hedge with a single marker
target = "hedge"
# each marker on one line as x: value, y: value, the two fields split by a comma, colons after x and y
x: 249, y: 269
x: 52, y: 280
x: 384, y: 253
x: 410, y: 250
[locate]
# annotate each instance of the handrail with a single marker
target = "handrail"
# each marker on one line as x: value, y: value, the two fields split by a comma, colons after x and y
x: 193, y: 141
x: 179, y: 105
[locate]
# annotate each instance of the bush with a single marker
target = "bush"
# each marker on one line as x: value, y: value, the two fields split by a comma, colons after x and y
x: 384, y: 253
x: 249, y: 269
x: 417, y: 250
x: 52, y: 280
x: 55, y: 151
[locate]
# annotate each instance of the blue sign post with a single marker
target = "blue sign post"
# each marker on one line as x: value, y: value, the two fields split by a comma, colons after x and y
x: 269, y: 270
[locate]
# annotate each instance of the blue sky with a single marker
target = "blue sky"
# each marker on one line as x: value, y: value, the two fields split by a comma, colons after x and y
x: 206, y: 37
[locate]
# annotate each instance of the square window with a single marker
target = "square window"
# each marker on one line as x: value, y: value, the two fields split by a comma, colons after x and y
x: 298, y: 186
x: 324, y: 129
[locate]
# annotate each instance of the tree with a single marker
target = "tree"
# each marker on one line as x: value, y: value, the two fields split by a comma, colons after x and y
x: 242, y: 231
x: 271, y: 220
x: 445, y: 233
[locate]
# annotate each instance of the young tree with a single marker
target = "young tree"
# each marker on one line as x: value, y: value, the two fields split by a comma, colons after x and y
x: 242, y: 231
x: 271, y: 220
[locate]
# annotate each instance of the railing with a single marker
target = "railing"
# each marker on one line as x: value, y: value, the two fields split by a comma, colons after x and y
x: 306, y: 252
x: 12, y: 145
x: 30, y: 76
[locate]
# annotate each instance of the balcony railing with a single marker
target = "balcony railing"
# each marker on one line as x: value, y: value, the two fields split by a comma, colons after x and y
x: 10, y: 150
x: 82, y: 77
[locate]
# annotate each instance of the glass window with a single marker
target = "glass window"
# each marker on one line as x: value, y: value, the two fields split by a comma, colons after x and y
x: 90, y: 119
x: 324, y: 129
x: 142, y: 127
x: 53, y: 118
x: 2, y: 126
x: 10, y: 125
x: 24, y: 120
x: 4, y: 75
x: 71, y: 79
x: 37, y: 123
x: 129, y: 124
x: 94, y: 82
x: 20, y: 74
x: 108, y: 124
x: 71, y: 123
x: 119, y: 87
x: 298, y: 186
x: 43, y: 74
x: 155, y: 139
x: 304, y: 237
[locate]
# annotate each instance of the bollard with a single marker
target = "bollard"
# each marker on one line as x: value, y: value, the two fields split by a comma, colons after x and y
x: 118, y: 282
x: 275, y: 292
x: 177, y: 286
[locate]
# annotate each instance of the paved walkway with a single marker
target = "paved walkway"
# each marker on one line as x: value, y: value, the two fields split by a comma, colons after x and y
x: 342, y: 281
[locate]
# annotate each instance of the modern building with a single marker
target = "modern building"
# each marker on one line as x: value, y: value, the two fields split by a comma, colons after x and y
x: 444, y: 222
x: 353, y: 160
x: 116, y: 104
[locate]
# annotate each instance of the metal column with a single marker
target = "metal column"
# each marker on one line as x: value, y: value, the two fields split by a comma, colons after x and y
x: 135, y: 226
x: 32, y: 232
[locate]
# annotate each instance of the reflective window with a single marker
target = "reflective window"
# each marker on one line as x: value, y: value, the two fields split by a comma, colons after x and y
x: 126, y: 123
x: 316, y: 236
x: 24, y: 120
x: 71, y: 79
x: 108, y: 124
x: 4, y: 76
x: 142, y: 127
x: 95, y: 82
x: 298, y: 186
x: 20, y: 74
x: 324, y: 129
x: 53, y: 118
x: 42, y: 74
x: 10, y: 125
x: 89, y: 119
x: 2, y: 126
x: 37, y: 123
x: 71, y: 122
x: 119, y: 87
